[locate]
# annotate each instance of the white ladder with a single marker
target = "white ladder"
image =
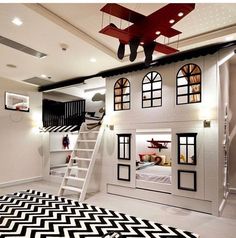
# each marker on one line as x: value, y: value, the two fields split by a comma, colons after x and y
x: 80, y: 167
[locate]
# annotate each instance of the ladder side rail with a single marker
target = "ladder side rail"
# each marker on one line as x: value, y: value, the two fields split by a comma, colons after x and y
x: 91, y: 164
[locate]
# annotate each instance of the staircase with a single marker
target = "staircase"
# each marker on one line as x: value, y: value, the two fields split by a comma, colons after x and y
x: 81, y: 164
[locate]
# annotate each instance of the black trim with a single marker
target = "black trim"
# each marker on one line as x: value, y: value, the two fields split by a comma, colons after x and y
x: 168, y: 59
x: 188, y: 84
x: 151, y: 81
x: 119, y: 144
x: 118, y: 172
x: 186, y: 135
x: 120, y: 85
x: 194, y: 189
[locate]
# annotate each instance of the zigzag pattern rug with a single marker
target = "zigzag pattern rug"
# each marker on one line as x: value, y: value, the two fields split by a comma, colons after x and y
x: 34, y: 214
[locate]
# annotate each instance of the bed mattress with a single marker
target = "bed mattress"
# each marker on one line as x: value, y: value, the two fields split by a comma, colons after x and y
x: 155, y: 173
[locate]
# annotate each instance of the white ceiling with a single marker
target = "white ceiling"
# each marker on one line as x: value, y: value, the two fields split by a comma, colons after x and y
x: 46, y: 26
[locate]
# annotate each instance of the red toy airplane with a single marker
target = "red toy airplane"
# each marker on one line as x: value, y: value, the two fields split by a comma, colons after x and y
x: 145, y: 29
x: 159, y: 144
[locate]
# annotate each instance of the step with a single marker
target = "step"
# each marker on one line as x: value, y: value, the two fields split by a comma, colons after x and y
x: 90, y: 141
x: 75, y: 178
x: 84, y: 149
x: 81, y: 159
x: 78, y: 168
x: 72, y: 189
x: 87, y: 132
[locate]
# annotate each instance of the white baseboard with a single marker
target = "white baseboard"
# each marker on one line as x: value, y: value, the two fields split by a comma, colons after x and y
x: 20, y: 181
x: 232, y: 190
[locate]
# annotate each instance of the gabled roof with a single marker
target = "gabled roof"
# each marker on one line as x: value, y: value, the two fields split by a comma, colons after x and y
x: 168, y: 59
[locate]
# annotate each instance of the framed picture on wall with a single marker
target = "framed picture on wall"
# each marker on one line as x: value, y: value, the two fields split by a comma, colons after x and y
x: 16, y: 102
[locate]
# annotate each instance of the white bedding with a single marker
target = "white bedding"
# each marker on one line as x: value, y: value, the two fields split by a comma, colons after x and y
x: 155, y: 173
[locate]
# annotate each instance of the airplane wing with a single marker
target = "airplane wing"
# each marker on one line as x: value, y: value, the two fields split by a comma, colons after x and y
x: 165, y: 49
x: 122, y: 12
x: 172, y: 11
x: 112, y: 30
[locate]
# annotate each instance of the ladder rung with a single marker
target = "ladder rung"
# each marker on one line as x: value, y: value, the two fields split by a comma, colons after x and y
x: 75, y: 178
x: 80, y: 159
x: 85, y: 149
x: 78, y: 168
x: 81, y: 140
x: 72, y: 189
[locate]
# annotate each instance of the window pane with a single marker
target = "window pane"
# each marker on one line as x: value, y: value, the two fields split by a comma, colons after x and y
x: 126, y: 139
x: 183, y: 153
x: 156, y: 102
x: 147, y: 95
x: 191, y: 154
x: 118, y: 106
x: 117, y: 91
x: 191, y: 140
x: 157, y: 78
x: 194, y: 79
x: 182, y: 140
x: 117, y: 99
x: 146, y: 80
x: 121, y: 150
x: 156, y: 94
x: 194, y: 88
x: 126, y: 105
x: 182, y: 90
x: 146, y: 87
x: 127, y: 151
x: 195, y: 98
x: 126, y: 90
x: 122, y: 140
x: 182, y: 99
x: 126, y: 98
x: 147, y: 103
x: 182, y: 81
x: 156, y: 85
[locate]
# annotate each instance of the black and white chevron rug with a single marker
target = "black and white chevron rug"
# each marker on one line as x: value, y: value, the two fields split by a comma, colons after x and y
x: 34, y: 214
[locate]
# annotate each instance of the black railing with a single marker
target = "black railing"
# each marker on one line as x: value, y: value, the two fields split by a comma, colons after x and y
x: 63, y: 113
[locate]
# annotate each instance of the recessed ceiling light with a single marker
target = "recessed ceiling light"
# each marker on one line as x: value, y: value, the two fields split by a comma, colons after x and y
x: 93, y: 60
x: 180, y: 14
x: 11, y: 65
x: 171, y: 21
x: 43, y: 76
x: 17, y: 21
x: 158, y: 32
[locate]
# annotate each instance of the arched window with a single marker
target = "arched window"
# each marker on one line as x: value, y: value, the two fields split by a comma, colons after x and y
x: 122, y: 94
x: 152, y: 90
x: 188, y: 84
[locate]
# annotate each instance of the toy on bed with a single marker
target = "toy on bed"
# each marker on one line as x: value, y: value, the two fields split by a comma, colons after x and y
x: 151, y: 158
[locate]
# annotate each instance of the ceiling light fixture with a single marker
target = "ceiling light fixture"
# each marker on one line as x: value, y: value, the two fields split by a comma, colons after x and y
x: 158, y: 32
x: 171, y: 21
x: 180, y: 14
x: 17, y: 21
x: 141, y: 43
x: 93, y: 60
x: 43, y: 76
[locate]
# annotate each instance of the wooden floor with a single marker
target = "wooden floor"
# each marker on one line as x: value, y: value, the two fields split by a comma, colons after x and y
x: 205, y: 225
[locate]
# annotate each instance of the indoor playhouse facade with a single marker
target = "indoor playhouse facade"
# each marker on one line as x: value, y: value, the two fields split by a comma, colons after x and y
x: 167, y: 129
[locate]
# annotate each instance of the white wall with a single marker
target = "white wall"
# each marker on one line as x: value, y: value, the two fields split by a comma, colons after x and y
x: 21, y: 142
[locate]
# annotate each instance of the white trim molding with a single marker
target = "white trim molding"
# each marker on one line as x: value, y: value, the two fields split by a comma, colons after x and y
x: 21, y: 181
